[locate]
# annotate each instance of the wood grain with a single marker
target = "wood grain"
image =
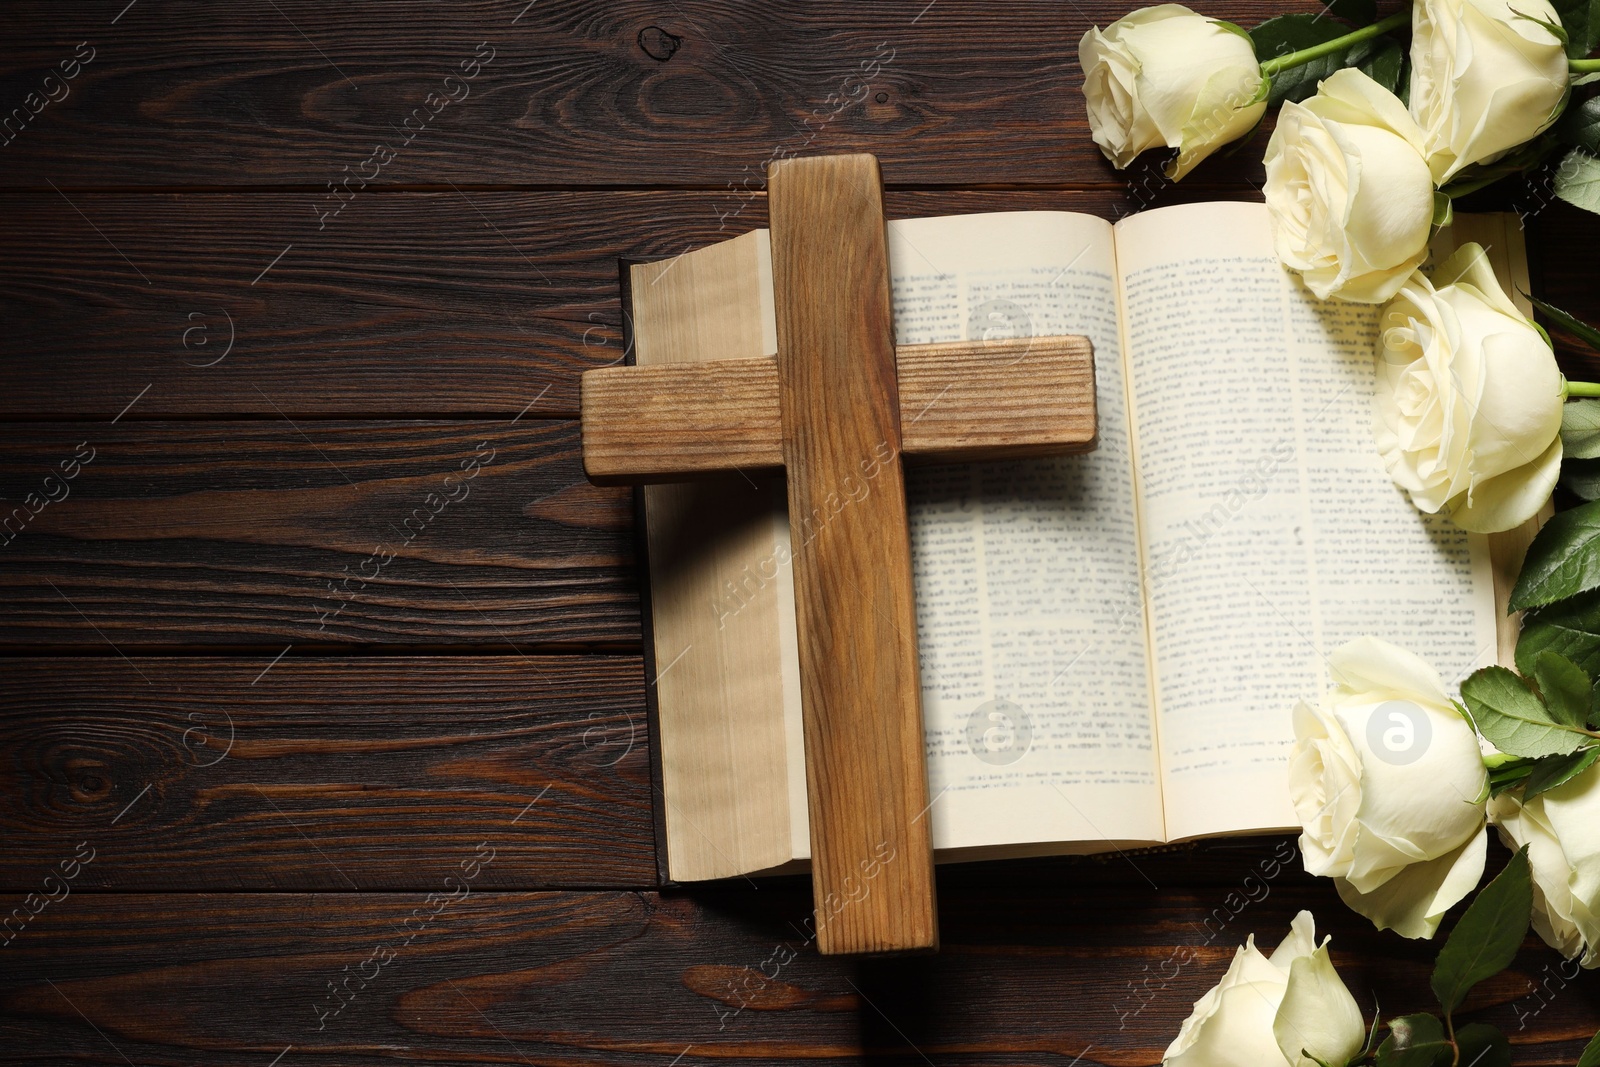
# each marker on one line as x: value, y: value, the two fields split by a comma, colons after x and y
x: 971, y: 400
x: 1000, y: 399
x: 644, y: 425
x: 268, y: 533
x: 855, y: 611
x: 418, y: 303
x: 489, y: 298
x: 313, y: 773
x: 699, y: 93
x: 1043, y: 962
x: 437, y: 304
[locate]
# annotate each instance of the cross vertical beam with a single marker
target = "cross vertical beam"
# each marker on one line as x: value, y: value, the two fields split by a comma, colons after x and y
x: 872, y: 854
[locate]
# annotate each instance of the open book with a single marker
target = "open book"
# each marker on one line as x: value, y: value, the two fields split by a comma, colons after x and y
x: 1110, y: 643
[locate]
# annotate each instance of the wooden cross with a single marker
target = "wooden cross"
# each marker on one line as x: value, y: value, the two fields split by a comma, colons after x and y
x: 835, y: 410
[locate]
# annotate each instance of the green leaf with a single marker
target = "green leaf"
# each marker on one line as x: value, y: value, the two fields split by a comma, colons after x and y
x: 1443, y: 209
x: 1509, y: 777
x: 1482, y: 1045
x: 1576, y: 326
x: 1485, y: 940
x: 1591, y: 1053
x: 1513, y: 718
x: 1381, y: 57
x: 1564, y: 686
x: 1232, y: 27
x: 1558, y: 31
x: 1372, y: 1031
x: 1581, y: 477
x: 1504, y: 768
x: 1581, y: 20
x: 1580, y: 126
x: 1580, y: 429
x: 1562, y: 561
x: 1570, y: 627
x: 1577, y: 180
x: 1414, y: 1041
x: 1555, y: 770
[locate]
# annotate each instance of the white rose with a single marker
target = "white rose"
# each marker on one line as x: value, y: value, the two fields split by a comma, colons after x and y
x: 1269, y: 1011
x: 1168, y: 76
x: 1348, y: 190
x: 1468, y: 405
x: 1561, y: 828
x: 1485, y: 77
x: 1386, y: 778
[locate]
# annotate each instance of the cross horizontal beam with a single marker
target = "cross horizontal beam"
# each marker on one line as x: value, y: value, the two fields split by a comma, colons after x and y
x: 963, y: 400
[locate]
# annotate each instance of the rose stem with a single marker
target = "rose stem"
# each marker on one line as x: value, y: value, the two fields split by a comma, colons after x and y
x: 1339, y: 44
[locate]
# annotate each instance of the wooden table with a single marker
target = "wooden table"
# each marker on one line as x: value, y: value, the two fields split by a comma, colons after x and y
x: 330, y: 658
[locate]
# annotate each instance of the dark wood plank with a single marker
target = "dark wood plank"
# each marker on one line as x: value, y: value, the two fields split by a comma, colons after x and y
x: 273, y: 532
x: 1042, y: 963
x: 330, y: 774
x: 412, y: 303
x: 699, y: 92
x: 436, y: 304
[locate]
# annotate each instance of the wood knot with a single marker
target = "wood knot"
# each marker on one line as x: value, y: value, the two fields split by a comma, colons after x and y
x: 658, y: 44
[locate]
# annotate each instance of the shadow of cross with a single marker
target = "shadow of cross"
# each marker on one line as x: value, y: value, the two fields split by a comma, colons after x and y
x: 839, y: 398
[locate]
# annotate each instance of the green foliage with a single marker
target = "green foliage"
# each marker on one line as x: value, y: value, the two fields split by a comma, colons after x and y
x: 1513, y: 718
x: 1591, y: 1053
x: 1558, y: 31
x: 1414, y: 1041
x: 1588, y: 334
x: 1581, y: 19
x: 1580, y: 126
x: 1483, y: 943
x: 1578, y: 180
x: 1582, y: 477
x: 1580, y: 425
x: 1371, y: 1044
x: 1443, y: 209
x: 1552, y: 771
x: 1564, y: 686
x: 1570, y: 627
x: 1232, y: 27
x: 1564, y: 559
x: 1511, y: 775
x: 1381, y: 57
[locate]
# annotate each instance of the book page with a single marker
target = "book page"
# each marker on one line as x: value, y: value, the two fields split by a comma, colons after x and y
x: 1031, y: 631
x: 1272, y: 532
